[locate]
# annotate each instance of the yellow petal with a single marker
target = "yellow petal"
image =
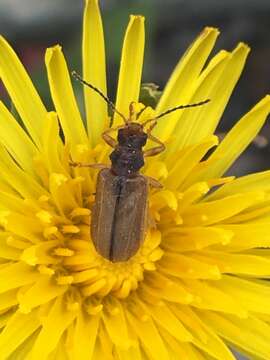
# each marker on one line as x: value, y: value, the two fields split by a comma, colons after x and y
x: 253, y: 295
x: 164, y: 288
x: 192, y: 195
x: 187, y: 121
x: 182, y: 80
x: 238, y: 139
x: 12, y: 202
x: 85, y: 334
x: 191, y: 321
x: 17, y: 330
x: 129, y: 82
x: 133, y: 353
x: 166, y: 319
x: 208, y: 296
x: 156, y: 169
x: 203, y: 337
x: 245, y: 264
x: 16, y: 140
x: 16, y: 242
x: 220, y: 181
x: 219, y: 94
x: 103, y: 348
x: 62, y: 193
x: 5, y: 316
x: 60, y: 352
x: 94, y: 70
x: 253, y: 182
x: 23, y: 350
x: 16, y: 275
x: 54, y: 325
x: 198, y: 172
x: 180, y: 350
x: 215, y: 211
x: 214, y: 347
x: 248, y: 236
x: 182, y: 266
x: 52, y: 145
x: 44, y: 290
x: 8, y: 299
x: 8, y: 252
x: 22, y: 92
x: 25, y: 226
x: 115, y: 323
x: 40, y: 253
x: 163, y: 199
x: 250, y: 334
x: 259, y: 212
x: 194, y: 238
x: 101, y: 352
x: 19, y: 180
x: 147, y: 332
x: 63, y: 97
x: 186, y: 163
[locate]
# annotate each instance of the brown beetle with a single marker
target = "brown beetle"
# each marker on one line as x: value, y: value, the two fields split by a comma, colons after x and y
x: 119, y: 214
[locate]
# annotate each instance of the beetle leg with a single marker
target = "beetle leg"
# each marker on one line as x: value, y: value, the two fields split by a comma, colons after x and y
x: 94, y: 166
x: 155, y: 150
x: 108, y: 139
x: 131, y: 111
x: 154, y: 183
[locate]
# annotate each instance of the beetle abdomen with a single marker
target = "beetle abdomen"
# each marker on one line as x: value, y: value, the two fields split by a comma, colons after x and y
x: 119, y: 215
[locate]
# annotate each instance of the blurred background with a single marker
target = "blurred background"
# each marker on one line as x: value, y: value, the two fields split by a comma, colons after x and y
x: 31, y: 26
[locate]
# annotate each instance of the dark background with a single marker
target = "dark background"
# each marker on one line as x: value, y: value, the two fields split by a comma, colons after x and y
x: 31, y: 26
x: 171, y: 25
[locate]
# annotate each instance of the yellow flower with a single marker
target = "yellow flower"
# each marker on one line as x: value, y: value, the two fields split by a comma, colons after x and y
x: 198, y: 284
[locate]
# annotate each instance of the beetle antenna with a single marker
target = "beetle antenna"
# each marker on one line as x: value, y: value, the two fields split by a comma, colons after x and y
x: 104, y: 97
x: 140, y: 112
x: 179, y: 107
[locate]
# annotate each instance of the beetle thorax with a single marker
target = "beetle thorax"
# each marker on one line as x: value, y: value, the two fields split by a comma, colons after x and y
x: 127, y: 158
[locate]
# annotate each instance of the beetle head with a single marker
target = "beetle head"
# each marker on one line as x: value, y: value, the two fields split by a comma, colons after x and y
x: 132, y: 136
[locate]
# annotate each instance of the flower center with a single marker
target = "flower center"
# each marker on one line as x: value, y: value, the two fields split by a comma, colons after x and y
x: 94, y: 275
x: 63, y: 249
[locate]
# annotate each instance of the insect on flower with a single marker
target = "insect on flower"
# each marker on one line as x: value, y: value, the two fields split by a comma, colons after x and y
x: 119, y: 214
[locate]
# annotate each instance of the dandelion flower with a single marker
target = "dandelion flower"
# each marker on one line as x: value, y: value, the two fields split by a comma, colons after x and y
x: 197, y: 286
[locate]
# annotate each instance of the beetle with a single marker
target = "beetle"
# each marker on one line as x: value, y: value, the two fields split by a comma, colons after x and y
x: 120, y: 211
